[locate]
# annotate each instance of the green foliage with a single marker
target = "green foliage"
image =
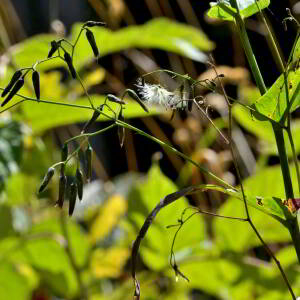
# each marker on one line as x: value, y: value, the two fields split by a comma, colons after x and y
x: 247, y: 9
x: 40, y: 248
x: 273, y: 103
x: 156, y: 251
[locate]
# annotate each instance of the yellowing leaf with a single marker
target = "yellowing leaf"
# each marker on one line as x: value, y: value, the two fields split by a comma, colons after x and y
x: 107, y: 218
x: 109, y: 263
x: 91, y: 79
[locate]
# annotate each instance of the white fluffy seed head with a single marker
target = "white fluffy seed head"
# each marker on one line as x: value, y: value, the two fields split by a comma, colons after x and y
x: 155, y: 94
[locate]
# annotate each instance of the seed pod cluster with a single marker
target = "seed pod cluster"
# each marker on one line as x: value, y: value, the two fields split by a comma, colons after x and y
x: 64, y: 156
x: 36, y: 83
x: 69, y: 62
x: 46, y: 179
x: 13, y: 87
x: 12, y: 82
x: 88, y: 157
x: 91, y: 39
x: 54, y: 47
x: 95, y: 116
x: 61, y: 190
x: 94, y: 23
x: 79, y: 181
x: 114, y: 98
x: 72, y: 197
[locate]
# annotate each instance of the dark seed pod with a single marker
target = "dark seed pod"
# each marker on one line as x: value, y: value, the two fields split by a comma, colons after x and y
x: 72, y: 198
x: 64, y: 152
x: 79, y: 181
x: 95, y: 116
x: 114, y: 98
x: 13, y: 80
x: 121, y: 130
x: 54, y: 47
x: 46, y: 179
x: 36, y: 83
x: 88, y: 157
x: 94, y: 23
x: 134, y: 95
x: 61, y: 190
x: 91, y: 39
x: 14, y: 90
x: 69, y: 62
x: 64, y: 156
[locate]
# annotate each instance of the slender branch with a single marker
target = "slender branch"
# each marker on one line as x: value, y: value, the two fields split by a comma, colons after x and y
x: 232, y: 150
x: 90, y: 134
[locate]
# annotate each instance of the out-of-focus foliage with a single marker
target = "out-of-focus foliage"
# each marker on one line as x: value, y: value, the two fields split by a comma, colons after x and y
x: 43, y: 252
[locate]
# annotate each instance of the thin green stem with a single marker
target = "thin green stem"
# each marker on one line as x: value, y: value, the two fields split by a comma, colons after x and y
x: 169, y: 147
x: 90, y: 134
x: 278, y: 131
x: 124, y: 124
x: 77, y: 39
x: 289, y: 132
x: 248, y: 218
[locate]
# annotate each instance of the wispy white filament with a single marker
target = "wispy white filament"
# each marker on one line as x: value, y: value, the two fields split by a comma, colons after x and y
x: 155, y: 94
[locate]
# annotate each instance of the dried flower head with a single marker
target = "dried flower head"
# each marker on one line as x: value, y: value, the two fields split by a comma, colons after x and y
x: 155, y: 94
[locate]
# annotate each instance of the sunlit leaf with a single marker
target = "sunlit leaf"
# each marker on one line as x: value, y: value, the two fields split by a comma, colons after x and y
x: 176, y: 37
x: 263, y: 130
x: 6, y: 218
x: 20, y: 189
x: 238, y: 236
x: 247, y: 9
x: 13, y: 285
x: 273, y: 103
x: 93, y: 78
x: 107, y: 218
x: 108, y: 262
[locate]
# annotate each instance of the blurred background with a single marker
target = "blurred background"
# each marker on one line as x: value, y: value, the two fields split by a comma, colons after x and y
x: 46, y: 255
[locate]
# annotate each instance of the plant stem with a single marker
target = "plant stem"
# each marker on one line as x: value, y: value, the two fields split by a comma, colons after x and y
x: 278, y: 131
x: 283, y: 161
x: 169, y: 147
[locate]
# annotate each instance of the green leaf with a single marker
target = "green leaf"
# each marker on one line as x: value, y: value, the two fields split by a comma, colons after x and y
x: 226, y: 12
x: 270, y: 205
x: 296, y: 51
x: 13, y: 285
x: 263, y: 130
x: 20, y: 189
x: 239, y: 236
x: 155, y: 249
x: 273, y: 103
x: 175, y: 37
x: 253, y: 8
x: 108, y: 263
x: 216, y: 12
x: 78, y: 240
x: 44, y: 250
x: 107, y: 218
x: 6, y: 218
